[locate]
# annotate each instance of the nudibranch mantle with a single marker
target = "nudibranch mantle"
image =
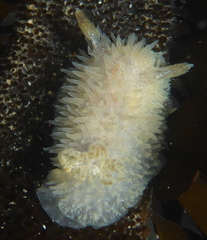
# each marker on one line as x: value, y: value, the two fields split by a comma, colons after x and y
x: 109, y: 130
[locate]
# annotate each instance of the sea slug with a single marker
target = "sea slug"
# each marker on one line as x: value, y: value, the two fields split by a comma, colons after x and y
x: 109, y: 130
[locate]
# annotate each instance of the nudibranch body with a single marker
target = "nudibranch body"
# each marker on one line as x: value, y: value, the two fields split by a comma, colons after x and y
x: 109, y: 130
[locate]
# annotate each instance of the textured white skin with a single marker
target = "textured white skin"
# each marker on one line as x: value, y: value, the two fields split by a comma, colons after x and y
x: 109, y: 130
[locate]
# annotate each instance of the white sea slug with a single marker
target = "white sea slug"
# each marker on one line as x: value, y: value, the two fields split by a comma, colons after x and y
x: 109, y: 130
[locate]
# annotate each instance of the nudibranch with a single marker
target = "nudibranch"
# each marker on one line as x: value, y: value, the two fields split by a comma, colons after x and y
x: 109, y: 130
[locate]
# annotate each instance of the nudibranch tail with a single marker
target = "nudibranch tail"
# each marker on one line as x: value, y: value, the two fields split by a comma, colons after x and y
x: 109, y: 130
